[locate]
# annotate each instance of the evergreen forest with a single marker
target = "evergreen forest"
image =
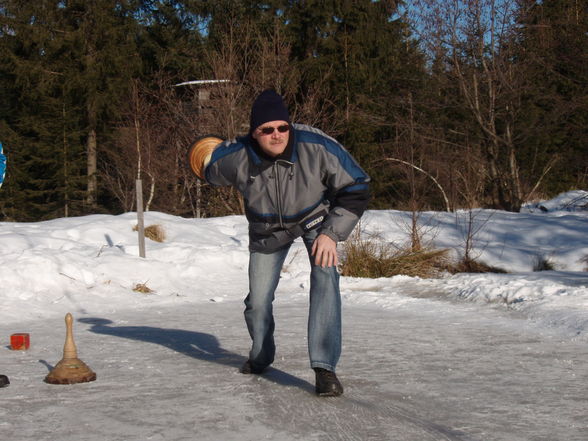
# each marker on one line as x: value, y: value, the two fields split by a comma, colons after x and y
x: 446, y: 104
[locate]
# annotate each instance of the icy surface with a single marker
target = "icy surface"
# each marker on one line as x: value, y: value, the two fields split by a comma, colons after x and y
x: 424, y: 370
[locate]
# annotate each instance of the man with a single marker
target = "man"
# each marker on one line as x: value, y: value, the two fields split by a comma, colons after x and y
x: 295, y: 181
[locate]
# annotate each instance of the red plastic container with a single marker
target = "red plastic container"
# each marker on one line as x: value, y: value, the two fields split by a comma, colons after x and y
x: 20, y: 341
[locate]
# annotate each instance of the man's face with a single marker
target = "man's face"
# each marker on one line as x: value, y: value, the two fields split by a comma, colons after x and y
x: 272, y: 137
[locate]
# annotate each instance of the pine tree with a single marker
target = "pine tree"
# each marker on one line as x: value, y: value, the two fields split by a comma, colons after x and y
x: 69, y: 62
x: 32, y: 110
x: 553, y: 41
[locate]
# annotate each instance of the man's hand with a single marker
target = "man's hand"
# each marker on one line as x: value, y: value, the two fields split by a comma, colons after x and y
x: 325, y: 251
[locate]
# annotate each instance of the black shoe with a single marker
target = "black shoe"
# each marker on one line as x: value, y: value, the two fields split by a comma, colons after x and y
x: 327, y: 383
x: 4, y: 381
x: 250, y: 368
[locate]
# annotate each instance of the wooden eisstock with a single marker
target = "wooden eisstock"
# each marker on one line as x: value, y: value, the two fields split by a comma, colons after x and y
x: 199, y: 153
x: 70, y: 369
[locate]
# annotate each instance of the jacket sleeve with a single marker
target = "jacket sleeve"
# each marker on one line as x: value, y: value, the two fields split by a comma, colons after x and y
x: 224, y: 165
x: 348, y: 193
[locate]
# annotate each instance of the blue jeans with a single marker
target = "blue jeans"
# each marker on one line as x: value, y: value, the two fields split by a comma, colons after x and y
x: 324, y: 318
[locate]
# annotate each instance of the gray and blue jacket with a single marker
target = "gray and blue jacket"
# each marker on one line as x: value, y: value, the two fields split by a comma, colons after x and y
x: 315, y: 183
x: 2, y: 165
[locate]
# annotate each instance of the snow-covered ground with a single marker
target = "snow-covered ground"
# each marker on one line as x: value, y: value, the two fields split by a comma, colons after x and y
x: 90, y: 264
x: 423, y: 358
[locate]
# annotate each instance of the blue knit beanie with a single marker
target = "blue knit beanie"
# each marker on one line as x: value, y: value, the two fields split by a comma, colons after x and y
x: 268, y: 106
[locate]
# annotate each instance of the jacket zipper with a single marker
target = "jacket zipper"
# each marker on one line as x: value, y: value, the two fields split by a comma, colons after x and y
x: 279, y: 188
x: 278, y: 193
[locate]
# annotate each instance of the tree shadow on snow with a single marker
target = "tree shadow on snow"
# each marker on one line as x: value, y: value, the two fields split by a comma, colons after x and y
x: 198, y: 345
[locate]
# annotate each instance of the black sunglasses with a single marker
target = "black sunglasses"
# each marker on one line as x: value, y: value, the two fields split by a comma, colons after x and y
x: 269, y: 130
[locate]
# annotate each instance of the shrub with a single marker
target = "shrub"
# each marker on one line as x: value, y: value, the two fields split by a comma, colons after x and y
x: 542, y: 263
x: 372, y: 258
x: 473, y: 266
x: 154, y: 232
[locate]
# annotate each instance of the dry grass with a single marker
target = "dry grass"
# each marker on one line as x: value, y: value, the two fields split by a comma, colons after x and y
x: 372, y: 258
x: 153, y: 232
x: 472, y: 266
x: 142, y: 288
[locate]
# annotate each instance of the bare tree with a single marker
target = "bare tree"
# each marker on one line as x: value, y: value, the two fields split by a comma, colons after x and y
x: 154, y: 124
x: 162, y: 120
x: 252, y: 59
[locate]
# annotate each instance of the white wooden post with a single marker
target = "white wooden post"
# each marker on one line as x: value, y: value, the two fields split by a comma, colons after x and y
x: 198, y: 197
x: 140, y: 221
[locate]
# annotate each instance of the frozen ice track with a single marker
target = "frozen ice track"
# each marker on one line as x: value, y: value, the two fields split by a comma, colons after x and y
x: 429, y: 370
